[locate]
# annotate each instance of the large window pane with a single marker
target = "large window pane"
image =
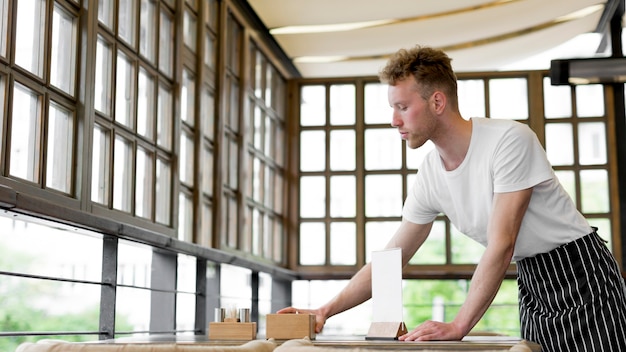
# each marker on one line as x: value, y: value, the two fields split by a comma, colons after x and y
x: 190, y: 28
x: 29, y: 35
x: 383, y: 195
x: 60, y: 151
x: 166, y: 44
x: 147, y: 30
x: 163, y: 192
x: 100, y: 166
x: 144, y: 183
x: 471, y: 94
x: 508, y: 98
x: 312, y: 244
x: 592, y: 143
x: 377, y: 235
x: 464, y: 249
x: 25, y: 133
x: 312, y: 150
x: 185, y: 218
x: 594, y: 188
x: 165, y: 117
x: 207, y: 171
x: 557, y: 100
x: 312, y: 196
x: 377, y: 109
x: 63, y: 56
x: 124, y: 88
x: 313, y: 106
x: 106, y: 10
x: 560, y: 143
x: 342, y: 104
x: 383, y: 149
x: 102, y: 88
x: 208, y: 114
x: 342, y: 150
x: 186, y: 159
x: 188, y: 98
x: 145, y: 105
x: 122, y: 172
x: 568, y: 180
x: 342, y: 243
x: 342, y: 196
x: 126, y: 21
x: 590, y: 100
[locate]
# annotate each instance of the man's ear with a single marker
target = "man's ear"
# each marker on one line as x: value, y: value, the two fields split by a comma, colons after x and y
x: 438, y: 101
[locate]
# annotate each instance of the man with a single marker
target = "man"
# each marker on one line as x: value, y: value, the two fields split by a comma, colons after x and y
x: 494, y: 182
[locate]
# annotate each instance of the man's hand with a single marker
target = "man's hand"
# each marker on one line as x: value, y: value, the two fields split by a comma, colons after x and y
x: 433, y: 330
x: 320, y: 319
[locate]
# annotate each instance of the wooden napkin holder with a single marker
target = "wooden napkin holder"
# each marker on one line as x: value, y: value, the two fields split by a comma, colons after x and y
x: 232, y: 331
x: 385, y: 331
x: 290, y: 326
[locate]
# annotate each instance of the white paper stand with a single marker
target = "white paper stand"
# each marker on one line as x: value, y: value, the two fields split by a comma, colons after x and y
x: 387, y: 322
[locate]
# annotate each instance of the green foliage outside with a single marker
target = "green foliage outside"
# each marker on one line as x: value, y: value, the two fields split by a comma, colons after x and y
x: 418, y: 296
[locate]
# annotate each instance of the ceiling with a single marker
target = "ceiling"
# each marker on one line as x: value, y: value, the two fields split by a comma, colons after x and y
x: 341, y: 38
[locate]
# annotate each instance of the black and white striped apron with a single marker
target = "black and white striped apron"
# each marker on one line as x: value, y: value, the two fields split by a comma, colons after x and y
x: 573, y: 298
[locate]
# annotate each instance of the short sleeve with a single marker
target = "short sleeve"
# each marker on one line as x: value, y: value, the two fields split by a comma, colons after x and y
x: 520, y: 162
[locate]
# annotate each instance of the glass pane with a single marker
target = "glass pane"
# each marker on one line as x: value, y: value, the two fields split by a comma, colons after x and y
x: 342, y: 243
x: 268, y: 188
x: 312, y: 196
x: 145, y: 105
x: 592, y: 143
x: 124, y: 91
x: 63, y: 55
x: 433, y: 251
x: 185, y: 300
x: 206, y: 229
x: 383, y: 149
x: 560, y: 143
x: 100, y: 166
x: 257, y: 179
x: 186, y: 159
x: 122, y: 174
x: 377, y: 109
x: 269, y: 128
x: 102, y: 96
x: 233, y: 221
x: 209, y: 51
x: 557, y: 100
x: 233, y: 121
x: 233, y: 165
x: 567, y: 179
x: 415, y: 157
x: 464, y: 250
x: 147, y: 30
x: 4, y: 20
x: 508, y: 98
x: 383, y: 195
x: 126, y: 21
x: 312, y: 150
x: 604, y: 230
x: 208, y: 114
x: 342, y: 150
x: 377, y: 235
x: 25, y: 133
x: 594, y: 191
x: 342, y: 104
x: 189, y: 30
x: 278, y: 242
x: 144, y: 183
x: 165, y: 117
x: 60, y: 151
x: 279, y: 146
x: 207, y: 171
x: 312, y: 244
x: 590, y: 100
x: 257, y: 127
x: 235, y: 286
x: 166, y: 44
x: 342, y: 196
x: 187, y: 98
x: 279, y: 187
x: 163, y: 192
x: 185, y: 218
x: 269, y: 84
x: 471, y: 94
x: 29, y: 35
x: 106, y: 9
x: 313, y: 106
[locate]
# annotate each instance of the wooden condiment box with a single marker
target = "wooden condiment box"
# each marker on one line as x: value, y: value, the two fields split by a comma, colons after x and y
x: 290, y: 326
x: 232, y: 331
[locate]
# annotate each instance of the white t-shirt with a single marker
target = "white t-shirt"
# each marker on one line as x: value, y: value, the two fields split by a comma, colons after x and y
x: 503, y: 156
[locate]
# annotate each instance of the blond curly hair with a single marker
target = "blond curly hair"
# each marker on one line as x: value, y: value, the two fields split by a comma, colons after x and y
x: 431, y: 69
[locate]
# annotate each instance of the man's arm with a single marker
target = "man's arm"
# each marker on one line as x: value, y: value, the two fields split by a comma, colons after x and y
x: 409, y: 237
x: 508, y: 210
